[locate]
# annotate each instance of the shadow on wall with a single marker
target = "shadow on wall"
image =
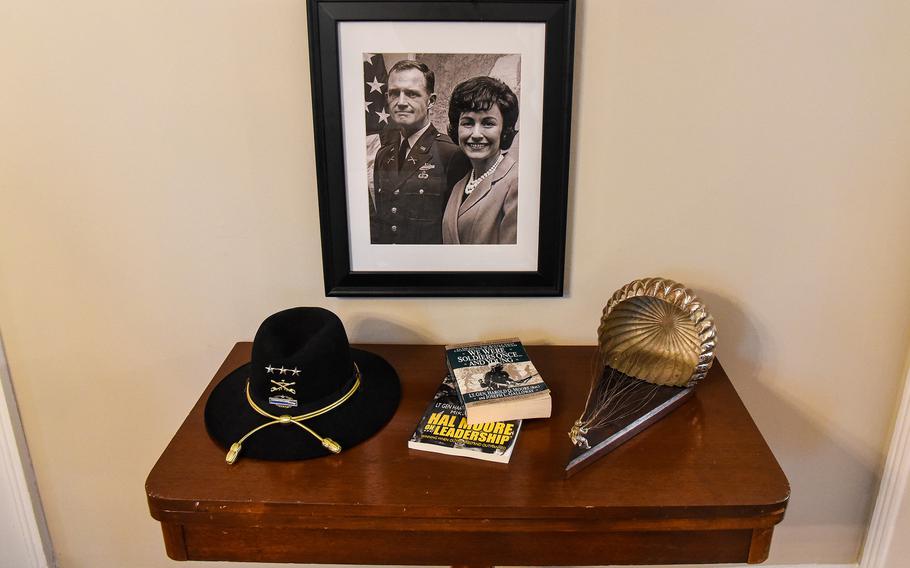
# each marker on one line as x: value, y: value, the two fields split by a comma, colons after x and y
x: 832, y: 489
x: 378, y: 329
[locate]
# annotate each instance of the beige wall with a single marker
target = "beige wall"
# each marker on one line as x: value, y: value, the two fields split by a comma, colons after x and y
x: 157, y: 200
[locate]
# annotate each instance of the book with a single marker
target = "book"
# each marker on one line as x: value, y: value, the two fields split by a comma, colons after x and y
x: 443, y: 429
x: 497, y: 381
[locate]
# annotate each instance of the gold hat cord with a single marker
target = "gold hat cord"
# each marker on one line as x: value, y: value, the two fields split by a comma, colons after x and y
x: 327, y: 443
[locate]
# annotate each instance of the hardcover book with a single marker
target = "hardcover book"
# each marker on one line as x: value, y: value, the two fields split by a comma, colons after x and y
x: 443, y: 429
x: 497, y: 381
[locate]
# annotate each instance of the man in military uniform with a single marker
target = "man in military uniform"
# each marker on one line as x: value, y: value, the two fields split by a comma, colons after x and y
x: 416, y: 168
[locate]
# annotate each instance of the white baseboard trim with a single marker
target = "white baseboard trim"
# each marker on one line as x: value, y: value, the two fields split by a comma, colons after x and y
x: 17, y: 486
x: 891, y: 491
x: 764, y: 565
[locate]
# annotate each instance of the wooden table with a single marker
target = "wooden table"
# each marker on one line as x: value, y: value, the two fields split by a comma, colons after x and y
x: 700, y: 486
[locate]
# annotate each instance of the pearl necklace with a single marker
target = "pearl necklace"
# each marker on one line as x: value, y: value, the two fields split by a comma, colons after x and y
x: 473, y: 183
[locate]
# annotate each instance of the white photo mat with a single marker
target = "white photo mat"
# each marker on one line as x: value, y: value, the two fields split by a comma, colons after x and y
x: 525, y: 39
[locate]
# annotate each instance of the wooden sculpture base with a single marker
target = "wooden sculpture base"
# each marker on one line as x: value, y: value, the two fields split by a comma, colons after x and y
x: 623, y: 406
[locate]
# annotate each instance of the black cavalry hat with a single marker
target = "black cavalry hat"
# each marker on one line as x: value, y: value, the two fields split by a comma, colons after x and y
x: 305, y: 393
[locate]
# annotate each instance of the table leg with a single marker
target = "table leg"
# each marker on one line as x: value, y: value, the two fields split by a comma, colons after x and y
x: 760, y: 545
x: 174, y: 541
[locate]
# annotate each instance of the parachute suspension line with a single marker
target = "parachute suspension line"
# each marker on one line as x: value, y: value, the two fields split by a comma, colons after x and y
x: 612, y: 397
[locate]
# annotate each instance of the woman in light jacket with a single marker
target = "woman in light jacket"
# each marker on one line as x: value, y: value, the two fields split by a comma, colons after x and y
x: 483, y: 205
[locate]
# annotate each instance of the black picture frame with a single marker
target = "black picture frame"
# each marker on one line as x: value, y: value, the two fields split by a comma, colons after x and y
x: 324, y: 17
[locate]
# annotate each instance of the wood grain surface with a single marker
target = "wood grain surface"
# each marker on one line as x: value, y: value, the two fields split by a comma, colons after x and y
x: 701, y: 485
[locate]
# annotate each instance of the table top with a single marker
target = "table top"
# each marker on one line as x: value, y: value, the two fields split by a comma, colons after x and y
x: 705, y: 460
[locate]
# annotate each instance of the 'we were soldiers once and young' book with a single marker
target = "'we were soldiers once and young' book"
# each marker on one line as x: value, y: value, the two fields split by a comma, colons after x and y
x: 496, y: 380
x: 443, y: 429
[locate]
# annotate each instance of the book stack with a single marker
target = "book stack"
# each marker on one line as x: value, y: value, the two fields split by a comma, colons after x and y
x: 477, y: 410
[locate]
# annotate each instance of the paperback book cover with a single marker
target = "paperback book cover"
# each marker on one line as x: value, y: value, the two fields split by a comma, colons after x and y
x: 496, y: 380
x: 443, y: 429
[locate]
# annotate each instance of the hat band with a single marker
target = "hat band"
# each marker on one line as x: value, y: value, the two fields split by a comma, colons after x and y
x: 327, y: 443
x: 318, y: 404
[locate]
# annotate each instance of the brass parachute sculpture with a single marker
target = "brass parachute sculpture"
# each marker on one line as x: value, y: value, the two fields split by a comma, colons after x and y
x: 656, y: 342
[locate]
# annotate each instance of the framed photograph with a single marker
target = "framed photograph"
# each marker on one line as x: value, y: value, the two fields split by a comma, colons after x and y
x: 442, y: 145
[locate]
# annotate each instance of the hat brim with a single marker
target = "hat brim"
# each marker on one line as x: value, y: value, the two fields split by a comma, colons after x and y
x: 228, y: 416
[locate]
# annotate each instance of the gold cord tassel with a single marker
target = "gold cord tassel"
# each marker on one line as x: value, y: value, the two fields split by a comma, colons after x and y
x: 233, y: 453
x: 327, y: 443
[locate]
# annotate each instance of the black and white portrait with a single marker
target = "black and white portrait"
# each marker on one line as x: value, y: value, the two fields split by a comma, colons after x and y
x: 443, y: 138
x: 442, y: 147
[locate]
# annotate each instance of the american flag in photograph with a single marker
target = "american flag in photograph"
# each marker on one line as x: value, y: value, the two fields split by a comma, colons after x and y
x: 375, y: 79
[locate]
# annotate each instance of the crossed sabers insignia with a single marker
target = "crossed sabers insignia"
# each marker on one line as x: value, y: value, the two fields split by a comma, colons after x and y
x: 283, y: 386
x: 281, y: 370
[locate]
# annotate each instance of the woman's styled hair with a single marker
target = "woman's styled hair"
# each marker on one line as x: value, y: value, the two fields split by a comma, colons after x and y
x: 480, y: 94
